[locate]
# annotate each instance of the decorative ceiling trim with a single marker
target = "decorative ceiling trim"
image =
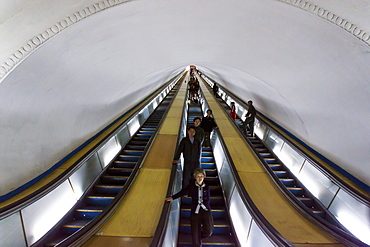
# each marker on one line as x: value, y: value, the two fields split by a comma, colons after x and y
x: 331, y: 17
x: 40, y: 39
x: 34, y: 43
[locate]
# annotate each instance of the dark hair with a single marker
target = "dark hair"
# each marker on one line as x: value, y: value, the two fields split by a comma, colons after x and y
x: 197, y: 118
x: 191, y: 127
x: 250, y: 101
x: 209, y: 110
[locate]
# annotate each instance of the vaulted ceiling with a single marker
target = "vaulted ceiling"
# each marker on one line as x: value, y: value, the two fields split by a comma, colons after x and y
x: 302, y: 68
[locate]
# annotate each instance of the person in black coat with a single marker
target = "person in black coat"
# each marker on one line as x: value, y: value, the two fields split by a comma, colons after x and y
x: 208, y: 124
x: 200, y: 214
x: 199, y: 131
x: 250, y: 117
x: 190, y: 147
x: 215, y: 90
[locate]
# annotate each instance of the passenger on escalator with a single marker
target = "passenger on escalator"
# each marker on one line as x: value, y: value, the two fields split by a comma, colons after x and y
x: 215, y: 90
x: 190, y: 147
x: 233, y: 111
x: 250, y: 117
x: 201, y: 221
x: 208, y: 124
x: 199, y: 131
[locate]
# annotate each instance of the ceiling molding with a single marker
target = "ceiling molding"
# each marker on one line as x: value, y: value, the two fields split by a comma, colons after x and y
x: 348, y: 26
x: 40, y: 39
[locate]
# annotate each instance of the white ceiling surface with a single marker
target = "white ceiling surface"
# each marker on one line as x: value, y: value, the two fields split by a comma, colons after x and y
x: 303, y: 72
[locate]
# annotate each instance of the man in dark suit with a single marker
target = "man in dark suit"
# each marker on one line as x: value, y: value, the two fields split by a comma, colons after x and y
x: 190, y: 147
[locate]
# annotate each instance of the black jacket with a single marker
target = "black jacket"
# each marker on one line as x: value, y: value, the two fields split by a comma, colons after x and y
x: 190, y: 151
x: 208, y: 123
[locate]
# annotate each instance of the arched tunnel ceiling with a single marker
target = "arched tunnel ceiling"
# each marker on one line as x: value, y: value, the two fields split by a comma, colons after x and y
x: 302, y: 71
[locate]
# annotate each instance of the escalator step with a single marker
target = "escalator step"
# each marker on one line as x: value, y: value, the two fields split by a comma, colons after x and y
x: 275, y: 166
x: 215, y: 190
x: 207, y: 154
x: 119, y: 171
x: 135, y: 147
x: 211, y: 172
x: 307, y: 201
x: 74, y: 226
x: 269, y: 160
x: 147, y: 128
x: 138, y: 142
x: 147, y: 132
x: 287, y: 181
x: 108, y: 189
x: 297, y: 191
x: 319, y: 212
x: 124, y: 157
x: 281, y: 174
x: 132, y: 152
x: 99, y: 200
x: 220, y: 226
x: 212, y: 181
x: 88, y: 212
x: 218, y: 212
x: 140, y: 138
x: 206, y: 165
x: 215, y: 200
x: 114, y: 179
x: 125, y: 164
x: 212, y: 241
x: 266, y: 155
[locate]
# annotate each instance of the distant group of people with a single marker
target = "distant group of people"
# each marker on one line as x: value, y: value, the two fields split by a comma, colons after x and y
x: 194, y: 87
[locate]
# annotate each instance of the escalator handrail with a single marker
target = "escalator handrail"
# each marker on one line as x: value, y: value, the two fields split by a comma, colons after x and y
x: 333, y: 177
x: 51, y: 185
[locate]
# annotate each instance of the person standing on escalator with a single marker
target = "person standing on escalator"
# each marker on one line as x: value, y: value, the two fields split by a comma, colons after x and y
x: 215, y: 90
x: 201, y: 220
x: 199, y: 131
x: 190, y: 147
x: 208, y: 124
x: 233, y: 111
x: 250, y: 117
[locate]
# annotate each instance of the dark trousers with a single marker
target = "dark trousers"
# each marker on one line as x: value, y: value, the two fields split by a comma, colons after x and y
x: 250, y: 122
x: 207, y: 139
x: 204, y: 218
x: 187, y: 173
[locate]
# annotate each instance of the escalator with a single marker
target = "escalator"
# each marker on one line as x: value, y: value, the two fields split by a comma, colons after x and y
x: 223, y: 232
x: 281, y: 172
x: 110, y: 186
x: 295, y: 191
